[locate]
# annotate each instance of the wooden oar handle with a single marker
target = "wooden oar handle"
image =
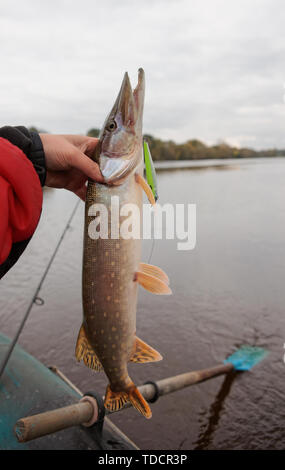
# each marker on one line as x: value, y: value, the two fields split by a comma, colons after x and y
x: 84, y: 412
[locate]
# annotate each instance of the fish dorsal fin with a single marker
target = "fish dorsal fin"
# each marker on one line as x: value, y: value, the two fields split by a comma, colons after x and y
x: 142, y: 352
x: 152, y: 283
x: 145, y: 186
x: 85, y: 351
x: 154, y: 271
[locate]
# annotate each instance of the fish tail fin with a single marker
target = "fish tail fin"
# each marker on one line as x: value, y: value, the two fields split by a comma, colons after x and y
x: 114, y: 401
x: 138, y: 401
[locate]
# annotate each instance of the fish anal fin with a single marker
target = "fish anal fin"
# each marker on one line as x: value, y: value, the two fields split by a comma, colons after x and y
x: 114, y: 401
x: 142, y: 352
x: 85, y: 351
x: 146, y: 188
x: 152, y: 284
x: 154, y: 271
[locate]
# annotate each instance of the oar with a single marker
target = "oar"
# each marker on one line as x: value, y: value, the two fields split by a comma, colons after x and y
x: 246, y: 357
x: 87, y: 410
x: 241, y: 360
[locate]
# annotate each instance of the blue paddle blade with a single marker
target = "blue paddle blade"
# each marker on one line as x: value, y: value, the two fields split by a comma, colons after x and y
x: 246, y: 357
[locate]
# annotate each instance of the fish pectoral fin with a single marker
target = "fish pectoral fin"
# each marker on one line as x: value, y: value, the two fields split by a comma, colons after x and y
x: 114, y: 401
x: 142, y: 352
x: 146, y: 188
x: 152, y: 283
x: 85, y: 351
x: 154, y: 271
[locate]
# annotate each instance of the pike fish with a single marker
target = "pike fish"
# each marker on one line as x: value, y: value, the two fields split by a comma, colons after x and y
x: 112, y: 267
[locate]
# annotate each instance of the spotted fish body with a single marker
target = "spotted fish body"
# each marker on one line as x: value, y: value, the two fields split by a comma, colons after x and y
x: 109, y: 290
x: 112, y: 266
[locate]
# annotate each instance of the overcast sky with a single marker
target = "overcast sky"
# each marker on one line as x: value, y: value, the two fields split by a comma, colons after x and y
x: 215, y: 69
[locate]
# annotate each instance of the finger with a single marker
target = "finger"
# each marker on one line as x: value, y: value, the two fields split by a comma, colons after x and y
x: 80, y: 140
x: 89, y: 146
x: 83, y: 163
x: 86, y: 144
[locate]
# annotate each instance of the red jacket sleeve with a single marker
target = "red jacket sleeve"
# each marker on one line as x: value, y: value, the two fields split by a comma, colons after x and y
x: 20, y: 197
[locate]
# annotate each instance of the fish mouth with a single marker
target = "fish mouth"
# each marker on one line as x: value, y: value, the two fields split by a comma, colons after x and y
x: 128, y: 107
x: 121, y: 135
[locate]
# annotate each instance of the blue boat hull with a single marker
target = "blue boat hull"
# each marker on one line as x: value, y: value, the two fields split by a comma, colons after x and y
x: 28, y: 387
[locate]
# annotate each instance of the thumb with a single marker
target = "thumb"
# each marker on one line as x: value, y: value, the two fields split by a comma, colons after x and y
x: 83, y: 163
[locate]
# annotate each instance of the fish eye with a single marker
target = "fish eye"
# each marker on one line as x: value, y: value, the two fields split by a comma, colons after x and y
x: 111, y: 126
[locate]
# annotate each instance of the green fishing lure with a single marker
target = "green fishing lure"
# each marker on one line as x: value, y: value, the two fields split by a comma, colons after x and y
x: 150, y: 170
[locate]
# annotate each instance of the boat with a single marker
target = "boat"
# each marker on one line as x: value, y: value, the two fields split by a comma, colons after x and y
x: 41, y: 409
x: 28, y: 387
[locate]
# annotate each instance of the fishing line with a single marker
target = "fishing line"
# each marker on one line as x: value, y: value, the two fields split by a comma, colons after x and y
x: 35, y: 299
x: 151, y: 251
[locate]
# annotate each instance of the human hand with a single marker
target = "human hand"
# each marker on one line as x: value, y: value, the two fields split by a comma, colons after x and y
x: 68, y: 162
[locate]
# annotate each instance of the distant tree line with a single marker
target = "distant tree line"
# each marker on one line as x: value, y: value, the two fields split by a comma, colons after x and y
x: 195, y: 149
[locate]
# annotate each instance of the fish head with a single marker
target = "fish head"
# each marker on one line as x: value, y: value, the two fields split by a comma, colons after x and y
x: 119, y: 151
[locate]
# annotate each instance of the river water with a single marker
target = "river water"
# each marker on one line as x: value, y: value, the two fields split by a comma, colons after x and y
x: 228, y: 291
